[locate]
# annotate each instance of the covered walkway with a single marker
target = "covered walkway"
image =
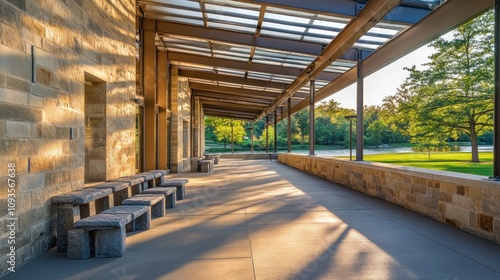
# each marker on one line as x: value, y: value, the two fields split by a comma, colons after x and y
x: 264, y: 220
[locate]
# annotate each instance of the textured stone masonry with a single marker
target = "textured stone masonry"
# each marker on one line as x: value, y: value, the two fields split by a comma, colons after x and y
x: 42, y: 117
x: 464, y: 201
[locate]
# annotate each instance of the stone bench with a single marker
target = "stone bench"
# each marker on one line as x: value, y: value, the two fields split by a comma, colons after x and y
x: 169, y: 193
x: 161, y: 173
x: 195, y: 164
x: 141, y: 215
x: 135, y: 182
x: 155, y: 201
x: 216, y: 158
x: 120, y: 190
x: 77, y: 205
x: 179, y: 184
x: 108, y: 232
x: 272, y: 156
x: 206, y: 165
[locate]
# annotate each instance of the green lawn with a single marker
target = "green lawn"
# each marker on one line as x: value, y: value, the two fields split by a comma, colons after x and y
x: 448, y: 161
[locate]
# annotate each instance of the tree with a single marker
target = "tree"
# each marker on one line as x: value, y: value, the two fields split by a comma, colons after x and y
x: 454, y: 95
x: 303, y: 123
x: 226, y: 130
x: 324, y: 130
x: 376, y: 133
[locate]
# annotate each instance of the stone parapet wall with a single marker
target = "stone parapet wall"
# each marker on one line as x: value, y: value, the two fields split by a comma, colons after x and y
x: 467, y: 202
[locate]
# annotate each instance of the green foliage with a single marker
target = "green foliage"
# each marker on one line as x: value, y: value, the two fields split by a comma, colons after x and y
x: 454, y: 94
x: 225, y: 130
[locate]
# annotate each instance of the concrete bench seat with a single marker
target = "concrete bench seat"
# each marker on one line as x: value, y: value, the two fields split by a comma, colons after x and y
x: 141, y: 215
x: 120, y: 190
x: 77, y: 205
x: 136, y: 183
x: 155, y: 201
x: 109, y: 233
x: 162, y: 176
x: 179, y: 184
x: 169, y: 193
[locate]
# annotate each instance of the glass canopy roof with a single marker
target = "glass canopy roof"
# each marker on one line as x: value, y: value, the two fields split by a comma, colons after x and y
x: 261, y: 41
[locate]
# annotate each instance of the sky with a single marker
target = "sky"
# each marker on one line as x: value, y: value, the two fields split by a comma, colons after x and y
x: 383, y: 82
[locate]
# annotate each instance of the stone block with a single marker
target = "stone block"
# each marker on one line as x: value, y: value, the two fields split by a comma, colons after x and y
x: 110, y: 243
x: 141, y: 215
x: 14, y: 62
x: 458, y: 214
x: 67, y: 215
x: 14, y: 97
x: 156, y: 201
x: 170, y: 194
x: 30, y: 182
x: 205, y: 166
x: 78, y: 244
x: 16, y: 129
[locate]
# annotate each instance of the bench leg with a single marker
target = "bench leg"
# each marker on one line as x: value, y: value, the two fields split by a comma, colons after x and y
x: 121, y: 195
x: 67, y: 215
x: 110, y: 243
x: 181, y: 192
x: 87, y: 210
x: 171, y: 198
x: 104, y: 203
x: 78, y: 244
x: 158, y: 210
x: 143, y: 222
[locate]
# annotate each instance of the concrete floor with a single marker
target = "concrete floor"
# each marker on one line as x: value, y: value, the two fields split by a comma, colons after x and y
x: 264, y: 220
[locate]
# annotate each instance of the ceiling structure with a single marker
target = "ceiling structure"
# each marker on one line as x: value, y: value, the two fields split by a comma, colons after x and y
x: 246, y: 59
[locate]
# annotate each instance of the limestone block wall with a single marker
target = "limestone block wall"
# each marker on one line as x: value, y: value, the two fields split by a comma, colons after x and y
x: 181, y: 122
x: 463, y: 201
x: 48, y: 49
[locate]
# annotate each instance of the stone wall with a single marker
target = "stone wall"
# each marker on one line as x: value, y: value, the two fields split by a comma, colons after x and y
x: 467, y: 202
x: 47, y: 49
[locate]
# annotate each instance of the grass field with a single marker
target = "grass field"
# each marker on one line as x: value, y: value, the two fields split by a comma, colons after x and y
x: 448, y: 161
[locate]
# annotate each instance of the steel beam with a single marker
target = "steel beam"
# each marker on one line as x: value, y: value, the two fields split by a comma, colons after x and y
x: 359, y: 112
x: 162, y: 100
x: 367, y: 18
x: 448, y: 16
x: 311, y: 119
x: 149, y: 91
x: 233, y: 98
x: 233, y: 64
x: 402, y: 14
x: 230, y: 79
x: 496, y: 117
x: 234, y: 90
x: 289, y: 126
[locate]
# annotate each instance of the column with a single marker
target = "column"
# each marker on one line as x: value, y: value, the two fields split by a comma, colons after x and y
x: 149, y: 90
x: 311, y: 118
x: 162, y: 100
x: 359, y: 109
x: 267, y: 134
x: 289, y: 126
x: 496, y: 117
x: 275, y: 130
